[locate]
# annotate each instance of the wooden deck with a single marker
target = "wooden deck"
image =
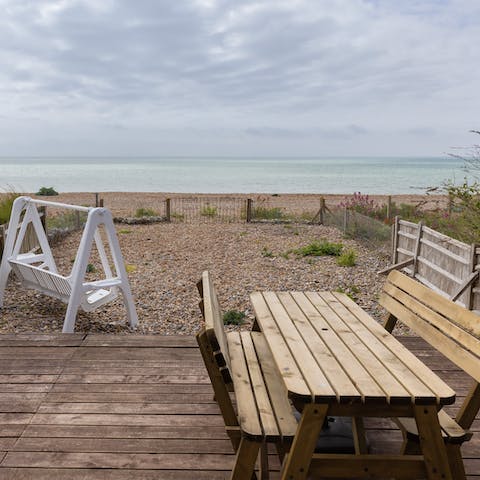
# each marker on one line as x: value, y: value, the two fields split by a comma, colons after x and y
x: 133, y: 407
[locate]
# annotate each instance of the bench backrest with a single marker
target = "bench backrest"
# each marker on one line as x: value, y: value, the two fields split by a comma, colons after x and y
x: 44, y: 280
x: 212, y: 314
x: 451, y: 329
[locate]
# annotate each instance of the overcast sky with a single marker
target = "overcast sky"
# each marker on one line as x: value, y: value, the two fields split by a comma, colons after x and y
x: 224, y: 77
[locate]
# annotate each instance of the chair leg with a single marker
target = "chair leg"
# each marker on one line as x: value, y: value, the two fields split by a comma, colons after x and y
x: 264, y: 468
x: 245, y: 459
x: 456, y: 462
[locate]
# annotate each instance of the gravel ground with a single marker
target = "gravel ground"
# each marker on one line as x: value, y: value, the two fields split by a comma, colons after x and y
x: 165, y: 261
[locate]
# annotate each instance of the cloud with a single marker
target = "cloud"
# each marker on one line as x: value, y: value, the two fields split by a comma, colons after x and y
x: 271, y: 69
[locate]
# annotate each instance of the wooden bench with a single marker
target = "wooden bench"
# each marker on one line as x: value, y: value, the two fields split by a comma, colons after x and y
x: 454, y: 332
x: 242, y: 362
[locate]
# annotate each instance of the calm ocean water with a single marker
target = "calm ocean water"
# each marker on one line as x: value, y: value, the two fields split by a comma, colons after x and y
x: 390, y: 175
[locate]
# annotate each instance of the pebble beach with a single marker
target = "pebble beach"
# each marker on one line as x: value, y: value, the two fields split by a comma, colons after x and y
x: 165, y: 260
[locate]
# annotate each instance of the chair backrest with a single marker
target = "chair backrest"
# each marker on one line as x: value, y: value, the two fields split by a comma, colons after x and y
x: 451, y: 329
x: 212, y: 314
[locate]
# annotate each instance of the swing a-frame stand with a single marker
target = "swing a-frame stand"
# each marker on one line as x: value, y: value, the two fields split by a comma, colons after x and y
x: 37, y: 269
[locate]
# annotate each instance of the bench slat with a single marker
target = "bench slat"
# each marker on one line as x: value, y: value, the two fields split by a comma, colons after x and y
x: 246, y: 405
x: 437, y: 339
x: 456, y: 313
x: 440, y: 322
x: 265, y: 409
x: 276, y: 388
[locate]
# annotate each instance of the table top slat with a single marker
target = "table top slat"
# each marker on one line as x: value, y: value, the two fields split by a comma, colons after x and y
x: 388, y: 387
x: 418, y: 390
x: 342, y: 384
x: 306, y: 362
x: 286, y: 363
x: 442, y: 391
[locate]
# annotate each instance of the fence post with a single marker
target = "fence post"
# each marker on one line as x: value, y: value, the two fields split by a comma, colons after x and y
x: 167, y: 209
x: 395, y: 228
x: 389, y: 208
x: 249, y: 210
x: 321, y: 217
x: 100, y: 203
x: 96, y: 200
x: 417, y: 248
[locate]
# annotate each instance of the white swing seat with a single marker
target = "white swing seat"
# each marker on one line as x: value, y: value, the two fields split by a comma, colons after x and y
x: 39, y: 272
x: 95, y: 294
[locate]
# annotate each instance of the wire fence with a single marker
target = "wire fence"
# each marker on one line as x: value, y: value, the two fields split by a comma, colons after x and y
x: 358, y: 226
x: 206, y: 210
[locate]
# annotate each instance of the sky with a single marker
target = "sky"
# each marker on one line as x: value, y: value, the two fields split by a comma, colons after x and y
x: 238, y: 78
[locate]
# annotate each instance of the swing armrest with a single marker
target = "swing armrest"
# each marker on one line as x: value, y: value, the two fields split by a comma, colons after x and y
x: 108, y: 282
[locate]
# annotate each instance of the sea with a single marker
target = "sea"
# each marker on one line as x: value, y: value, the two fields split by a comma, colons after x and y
x: 369, y: 175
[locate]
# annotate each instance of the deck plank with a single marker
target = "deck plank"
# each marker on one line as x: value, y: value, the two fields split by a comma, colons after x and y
x: 135, y: 407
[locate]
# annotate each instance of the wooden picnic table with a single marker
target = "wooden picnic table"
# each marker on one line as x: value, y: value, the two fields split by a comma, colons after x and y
x: 336, y: 360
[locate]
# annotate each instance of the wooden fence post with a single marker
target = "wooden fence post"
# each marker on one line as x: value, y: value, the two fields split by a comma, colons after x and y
x: 389, y: 208
x: 345, y: 220
x: 249, y: 210
x: 418, y: 244
x: 395, y: 228
x: 96, y: 200
x: 321, y: 217
x: 167, y: 209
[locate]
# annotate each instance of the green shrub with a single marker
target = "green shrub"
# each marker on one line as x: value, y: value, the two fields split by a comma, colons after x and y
x: 318, y: 249
x: 6, y: 203
x: 47, y: 192
x: 347, y: 259
x: 233, y: 317
x: 145, y: 212
x: 208, y: 211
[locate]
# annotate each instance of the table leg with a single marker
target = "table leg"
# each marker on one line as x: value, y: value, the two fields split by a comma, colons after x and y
x: 431, y: 443
x: 300, y: 456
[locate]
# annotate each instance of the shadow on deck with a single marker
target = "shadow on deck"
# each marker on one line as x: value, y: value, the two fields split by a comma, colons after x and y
x: 134, y: 407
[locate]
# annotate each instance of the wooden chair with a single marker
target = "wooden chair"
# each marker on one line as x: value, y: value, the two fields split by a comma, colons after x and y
x: 242, y: 362
x: 453, y: 331
x: 39, y: 271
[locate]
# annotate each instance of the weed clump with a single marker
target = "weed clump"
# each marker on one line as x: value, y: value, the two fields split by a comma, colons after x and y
x: 347, y: 259
x: 233, y: 317
x: 145, y: 212
x: 208, y: 211
x: 317, y: 249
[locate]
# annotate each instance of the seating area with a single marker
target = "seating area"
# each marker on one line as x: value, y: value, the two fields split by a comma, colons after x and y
x: 147, y: 407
